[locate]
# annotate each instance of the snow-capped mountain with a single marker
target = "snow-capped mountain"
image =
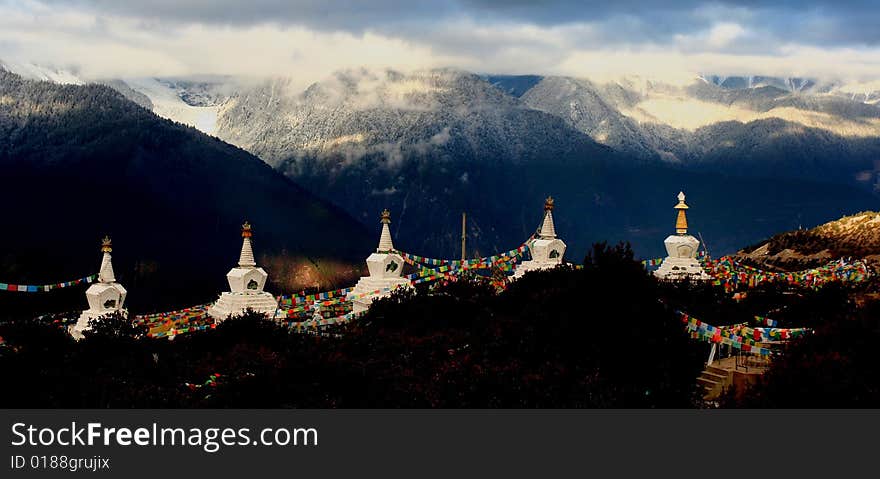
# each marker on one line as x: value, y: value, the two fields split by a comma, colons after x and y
x: 432, y: 144
x: 757, y: 130
x: 790, y: 84
x: 427, y: 144
x: 361, y: 113
x: 864, y: 92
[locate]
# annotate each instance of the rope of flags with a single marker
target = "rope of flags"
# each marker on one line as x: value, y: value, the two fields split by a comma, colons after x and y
x: 766, y: 334
x: 445, y: 269
x: 174, y: 323
x: 175, y: 331
x: 713, y: 334
x: 290, y: 300
x: 196, y: 318
x: 29, y: 288
x: 725, y: 271
x: 766, y: 321
x: 732, y: 274
x: 478, y: 263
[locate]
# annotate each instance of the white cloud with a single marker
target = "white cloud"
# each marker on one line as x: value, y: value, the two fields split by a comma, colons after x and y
x: 722, y: 34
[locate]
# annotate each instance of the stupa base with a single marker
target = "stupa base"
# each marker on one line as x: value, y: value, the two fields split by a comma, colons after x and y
x: 233, y: 304
x: 369, y: 284
x: 532, y: 265
x: 82, y: 324
x: 676, y: 269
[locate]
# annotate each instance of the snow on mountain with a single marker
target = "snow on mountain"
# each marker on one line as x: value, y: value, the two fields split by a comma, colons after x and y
x: 360, y: 112
x: 167, y: 102
x: 736, y: 125
x: 32, y: 71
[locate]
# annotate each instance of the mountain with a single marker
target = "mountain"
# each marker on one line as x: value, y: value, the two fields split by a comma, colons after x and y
x: 745, y: 125
x: 792, y: 84
x: 514, y: 85
x: 80, y: 162
x: 432, y: 144
x: 428, y: 145
x: 864, y: 92
x: 752, y: 130
x: 856, y: 236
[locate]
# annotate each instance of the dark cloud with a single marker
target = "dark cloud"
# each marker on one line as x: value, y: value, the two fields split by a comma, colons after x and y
x: 621, y: 21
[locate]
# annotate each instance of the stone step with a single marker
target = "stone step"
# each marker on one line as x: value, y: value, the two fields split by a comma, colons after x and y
x: 716, y: 370
x: 714, y: 376
x: 707, y: 383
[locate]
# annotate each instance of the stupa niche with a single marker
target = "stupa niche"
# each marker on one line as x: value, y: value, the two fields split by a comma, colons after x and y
x: 246, y: 283
x: 681, y: 249
x: 546, y: 249
x: 386, y: 271
x: 104, y: 297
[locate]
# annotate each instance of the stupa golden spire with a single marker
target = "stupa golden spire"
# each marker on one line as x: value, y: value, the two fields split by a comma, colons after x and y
x: 105, y: 273
x: 681, y: 222
x: 385, y: 243
x: 246, y: 231
x: 548, y: 229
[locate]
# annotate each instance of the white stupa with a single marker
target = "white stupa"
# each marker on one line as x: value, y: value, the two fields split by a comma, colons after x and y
x: 246, y: 283
x: 104, y: 297
x: 681, y: 249
x: 545, y: 249
x: 386, y: 271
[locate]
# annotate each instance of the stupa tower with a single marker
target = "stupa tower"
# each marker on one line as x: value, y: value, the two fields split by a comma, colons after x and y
x: 681, y: 249
x: 104, y: 297
x: 386, y: 270
x: 546, y: 249
x: 246, y: 283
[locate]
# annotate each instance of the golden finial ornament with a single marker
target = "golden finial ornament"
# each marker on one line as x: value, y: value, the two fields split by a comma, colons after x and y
x: 386, y: 216
x: 548, y: 204
x: 681, y: 223
x: 246, y: 231
x: 106, y: 245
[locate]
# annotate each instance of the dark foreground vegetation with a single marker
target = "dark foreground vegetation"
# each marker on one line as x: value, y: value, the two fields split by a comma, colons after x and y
x: 591, y: 337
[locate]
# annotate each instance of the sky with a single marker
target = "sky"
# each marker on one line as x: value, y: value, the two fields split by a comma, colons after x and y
x: 309, y: 39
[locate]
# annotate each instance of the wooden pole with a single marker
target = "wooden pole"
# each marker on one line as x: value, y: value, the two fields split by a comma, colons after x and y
x: 463, y: 234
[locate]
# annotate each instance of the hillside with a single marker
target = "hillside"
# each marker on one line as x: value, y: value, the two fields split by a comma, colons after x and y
x: 856, y: 236
x: 80, y: 162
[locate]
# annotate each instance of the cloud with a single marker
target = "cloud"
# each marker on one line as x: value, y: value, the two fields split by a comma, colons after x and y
x: 307, y: 40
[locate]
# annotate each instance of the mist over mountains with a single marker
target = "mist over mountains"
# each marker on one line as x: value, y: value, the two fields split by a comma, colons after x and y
x: 755, y: 155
